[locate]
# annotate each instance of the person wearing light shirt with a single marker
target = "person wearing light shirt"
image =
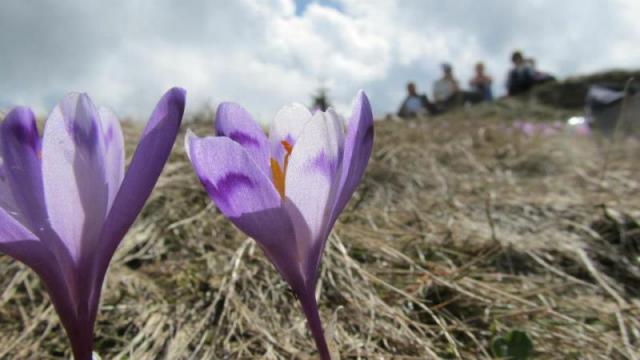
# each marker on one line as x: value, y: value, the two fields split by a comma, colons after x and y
x: 446, y: 88
x: 415, y: 104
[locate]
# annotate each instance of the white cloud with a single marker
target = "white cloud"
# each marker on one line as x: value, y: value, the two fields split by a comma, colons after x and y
x: 260, y: 54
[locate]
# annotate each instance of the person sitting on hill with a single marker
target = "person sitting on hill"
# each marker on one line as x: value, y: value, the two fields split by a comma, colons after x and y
x: 445, y: 90
x: 523, y: 76
x: 539, y: 77
x: 481, y: 83
x: 415, y: 104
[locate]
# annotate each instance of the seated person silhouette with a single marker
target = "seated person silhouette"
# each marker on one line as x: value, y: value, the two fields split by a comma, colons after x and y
x: 481, y: 83
x: 415, y: 104
x: 523, y: 76
x: 445, y: 90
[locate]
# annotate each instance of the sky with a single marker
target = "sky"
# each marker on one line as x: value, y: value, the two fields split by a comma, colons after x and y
x: 264, y: 54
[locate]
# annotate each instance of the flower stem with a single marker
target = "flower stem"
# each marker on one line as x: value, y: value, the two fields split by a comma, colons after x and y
x: 310, y: 309
x: 80, y: 336
x: 83, y: 352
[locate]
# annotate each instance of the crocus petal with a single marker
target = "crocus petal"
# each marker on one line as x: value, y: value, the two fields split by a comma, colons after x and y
x: 21, y: 244
x: 287, y: 126
x: 146, y: 165
x: 337, y: 128
x: 73, y: 168
x: 234, y: 122
x: 114, y: 151
x: 7, y: 202
x: 357, y: 151
x: 22, y: 169
x: 18, y: 242
x: 20, y: 147
x: 246, y: 196
x: 311, y: 177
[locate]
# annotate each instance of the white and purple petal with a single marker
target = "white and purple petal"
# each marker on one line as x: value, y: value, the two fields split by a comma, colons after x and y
x: 230, y: 176
x: 22, y: 172
x: 311, y: 177
x: 113, y: 153
x: 234, y: 122
x: 287, y: 126
x: 355, y: 157
x: 74, y: 177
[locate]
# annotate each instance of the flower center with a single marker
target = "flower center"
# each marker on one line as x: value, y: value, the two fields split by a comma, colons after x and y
x: 278, y: 173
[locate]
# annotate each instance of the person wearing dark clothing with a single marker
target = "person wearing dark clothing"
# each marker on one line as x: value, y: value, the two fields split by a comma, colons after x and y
x: 539, y: 77
x: 524, y: 75
x: 521, y: 78
x: 415, y: 104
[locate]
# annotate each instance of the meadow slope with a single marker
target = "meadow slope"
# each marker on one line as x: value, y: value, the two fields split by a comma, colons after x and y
x: 460, y: 232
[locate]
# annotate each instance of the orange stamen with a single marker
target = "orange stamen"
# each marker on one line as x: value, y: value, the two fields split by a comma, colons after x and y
x: 278, y: 176
x: 277, y: 173
x: 287, y: 146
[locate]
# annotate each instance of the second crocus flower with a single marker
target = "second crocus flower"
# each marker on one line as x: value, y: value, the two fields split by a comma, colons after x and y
x: 286, y: 190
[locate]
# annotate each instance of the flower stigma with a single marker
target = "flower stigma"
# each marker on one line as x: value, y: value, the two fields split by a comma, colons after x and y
x: 279, y: 174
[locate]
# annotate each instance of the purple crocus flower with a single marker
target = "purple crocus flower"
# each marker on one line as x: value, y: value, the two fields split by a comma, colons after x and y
x: 286, y: 191
x: 66, y: 202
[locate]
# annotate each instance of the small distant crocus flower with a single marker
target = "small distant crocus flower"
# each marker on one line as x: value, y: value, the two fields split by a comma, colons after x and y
x: 66, y: 202
x: 286, y: 191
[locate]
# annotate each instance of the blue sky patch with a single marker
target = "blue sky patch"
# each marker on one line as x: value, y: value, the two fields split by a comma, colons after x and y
x: 301, y: 5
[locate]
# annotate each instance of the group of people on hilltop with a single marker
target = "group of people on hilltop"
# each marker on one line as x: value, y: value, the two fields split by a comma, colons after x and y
x: 447, y: 92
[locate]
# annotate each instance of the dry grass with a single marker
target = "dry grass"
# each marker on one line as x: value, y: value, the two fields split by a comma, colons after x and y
x: 458, y: 233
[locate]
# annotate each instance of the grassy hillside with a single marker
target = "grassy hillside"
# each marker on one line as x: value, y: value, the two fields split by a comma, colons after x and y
x: 460, y: 233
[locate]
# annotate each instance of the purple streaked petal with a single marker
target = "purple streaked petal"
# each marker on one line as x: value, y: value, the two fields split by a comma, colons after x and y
x: 73, y: 170
x: 234, y: 122
x: 114, y: 151
x: 231, y: 177
x: 287, y: 126
x: 7, y: 202
x: 247, y: 197
x: 311, y: 178
x: 357, y: 151
x: 146, y: 165
x: 20, y: 147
